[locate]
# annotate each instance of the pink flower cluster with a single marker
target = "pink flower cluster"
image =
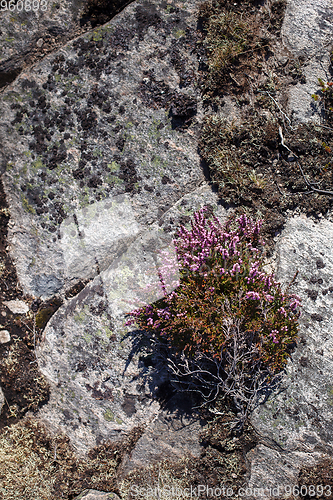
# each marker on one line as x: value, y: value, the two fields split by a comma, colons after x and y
x: 252, y: 295
x: 230, y: 263
x: 209, y: 238
x: 273, y: 335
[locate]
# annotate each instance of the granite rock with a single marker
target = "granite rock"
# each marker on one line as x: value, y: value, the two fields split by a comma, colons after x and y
x: 307, y: 33
x: 30, y: 29
x: 110, y: 114
x: 96, y: 495
x: 295, y: 424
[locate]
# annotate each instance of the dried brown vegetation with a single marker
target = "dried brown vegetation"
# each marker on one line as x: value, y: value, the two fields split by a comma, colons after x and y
x: 260, y: 163
x: 36, y: 465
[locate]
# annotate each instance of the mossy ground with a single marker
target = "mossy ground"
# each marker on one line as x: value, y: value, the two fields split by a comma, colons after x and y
x: 36, y: 465
x: 320, y: 478
x: 262, y: 164
x: 222, y: 462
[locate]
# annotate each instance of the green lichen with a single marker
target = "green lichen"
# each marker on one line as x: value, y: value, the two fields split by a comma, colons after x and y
x: 178, y: 33
x: 26, y: 205
x: 113, y: 166
x: 108, y: 415
x: 108, y: 332
x: 81, y: 316
x: 97, y: 153
x: 87, y: 337
x: 37, y: 164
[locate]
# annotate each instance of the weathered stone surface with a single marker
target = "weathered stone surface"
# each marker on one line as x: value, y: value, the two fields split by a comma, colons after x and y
x: 93, y: 397
x: 172, y: 435
x: 274, y: 473
x: 296, y: 421
x: 95, y: 235
x: 96, y: 495
x: 115, y: 112
x: 4, y: 336
x: 17, y: 306
x: 307, y: 32
x: 27, y: 33
x: 30, y: 29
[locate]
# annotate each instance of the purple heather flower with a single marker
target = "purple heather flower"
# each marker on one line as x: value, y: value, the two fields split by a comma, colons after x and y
x: 282, y: 311
x: 273, y: 335
x: 252, y: 295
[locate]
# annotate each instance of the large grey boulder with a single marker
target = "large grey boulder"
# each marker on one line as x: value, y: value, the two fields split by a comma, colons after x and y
x: 30, y: 29
x: 307, y: 33
x: 295, y: 424
x: 113, y: 112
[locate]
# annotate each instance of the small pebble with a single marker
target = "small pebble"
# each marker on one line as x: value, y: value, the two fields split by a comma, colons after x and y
x: 4, y: 336
x: 17, y: 306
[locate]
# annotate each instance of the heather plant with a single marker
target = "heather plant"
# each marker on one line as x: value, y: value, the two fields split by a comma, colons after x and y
x: 228, y: 323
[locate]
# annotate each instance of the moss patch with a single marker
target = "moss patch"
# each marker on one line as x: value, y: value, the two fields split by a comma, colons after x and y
x: 260, y: 165
x: 35, y: 465
x: 222, y: 463
x: 233, y: 42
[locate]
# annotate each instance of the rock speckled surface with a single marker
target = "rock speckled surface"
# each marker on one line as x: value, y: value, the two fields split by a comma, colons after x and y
x: 296, y: 422
x: 307, y: 32
x: 114, y: 112
x: 100, y: 164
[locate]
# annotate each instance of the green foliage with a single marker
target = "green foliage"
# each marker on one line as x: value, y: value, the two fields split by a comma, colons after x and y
x: 224, y: 294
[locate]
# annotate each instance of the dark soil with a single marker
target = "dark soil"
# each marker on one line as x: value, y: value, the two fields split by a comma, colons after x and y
x: 24, y: 387
x: 317, y: 481
x: 222, y: 461
x: 98, y: 12
x: 262, y: 165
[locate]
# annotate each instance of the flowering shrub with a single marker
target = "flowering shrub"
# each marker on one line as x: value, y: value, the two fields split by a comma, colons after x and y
x: 226, y: 310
